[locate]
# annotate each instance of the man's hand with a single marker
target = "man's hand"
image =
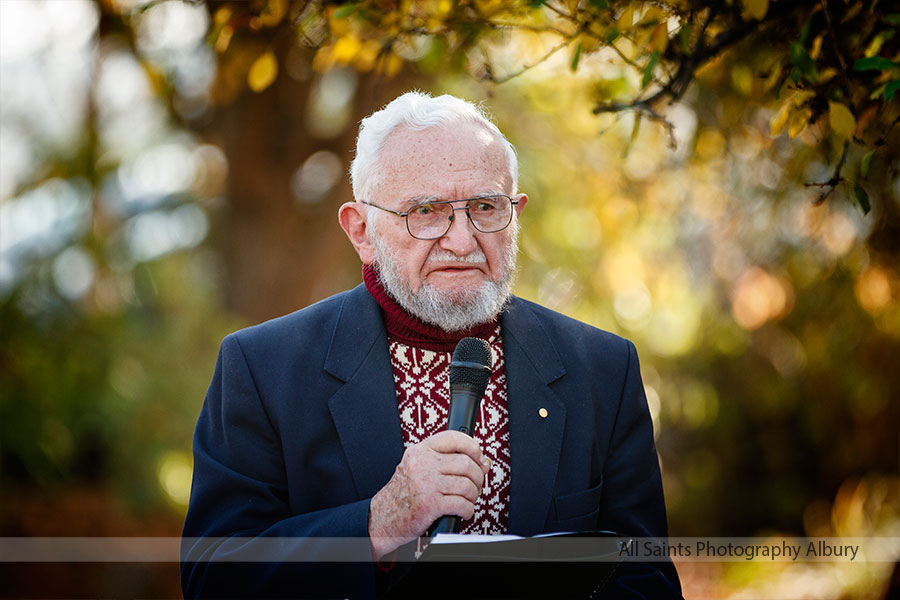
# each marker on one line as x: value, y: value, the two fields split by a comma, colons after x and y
x: 440, y: 476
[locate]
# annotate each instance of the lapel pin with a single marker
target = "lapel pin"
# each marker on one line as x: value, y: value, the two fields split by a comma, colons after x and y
x: 543, y: 412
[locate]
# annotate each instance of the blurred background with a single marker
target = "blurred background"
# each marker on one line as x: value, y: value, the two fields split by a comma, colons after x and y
x: 170, y: 171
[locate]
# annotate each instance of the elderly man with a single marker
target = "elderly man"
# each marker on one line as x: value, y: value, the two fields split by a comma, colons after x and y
x: 329, y: 422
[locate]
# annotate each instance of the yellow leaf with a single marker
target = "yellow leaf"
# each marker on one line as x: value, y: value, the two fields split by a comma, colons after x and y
x: 156, y: 77
x: 394, y: 64
x: 773, y: 77
x: 444, y: 8
x: 654, y: 14
x: 875, y: 45
x: 842, y: 121
x: 222, y: 16
x: 223, y: 40
x: 389, y: 64
x: 262, y: 72
x: 756, y: 9
x: 816, y: 47
x: 742, y: 79
x: 780, y: 119
x: 589, y: 43
x: 660, y: 38
x: 346, y: 48
x: 798, y: 122
x: 626, y: 19
x: 489, y: 7
x: 272, y: 13
x: 826, y: 75
x: 338, y: 27
x: 800, y: 97
x: 365, y: 58
x: 324, y: 59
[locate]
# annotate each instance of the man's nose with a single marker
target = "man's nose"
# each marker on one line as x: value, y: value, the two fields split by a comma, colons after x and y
x: 460, y: 238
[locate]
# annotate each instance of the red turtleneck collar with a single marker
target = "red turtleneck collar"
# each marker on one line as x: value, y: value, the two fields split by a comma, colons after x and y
x: 411, y: 330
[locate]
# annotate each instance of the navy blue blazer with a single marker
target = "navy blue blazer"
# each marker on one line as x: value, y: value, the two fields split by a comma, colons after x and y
x: 300, y: 429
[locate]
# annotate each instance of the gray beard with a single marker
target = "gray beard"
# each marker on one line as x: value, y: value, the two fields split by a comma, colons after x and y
x: 451, y: 311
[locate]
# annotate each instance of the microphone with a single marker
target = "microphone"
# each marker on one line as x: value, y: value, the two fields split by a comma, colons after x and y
x: 470, y: 372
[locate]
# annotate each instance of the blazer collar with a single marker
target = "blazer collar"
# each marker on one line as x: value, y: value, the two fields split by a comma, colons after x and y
x: 360, y: 324
x: 364, y: 409
x: 537, y: 416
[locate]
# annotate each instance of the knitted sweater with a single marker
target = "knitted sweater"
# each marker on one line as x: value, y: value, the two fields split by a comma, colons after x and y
x: 420, y: 357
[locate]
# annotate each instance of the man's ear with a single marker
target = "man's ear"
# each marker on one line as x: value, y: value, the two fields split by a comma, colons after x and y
x: 523, y: 200
x: 352, y: 217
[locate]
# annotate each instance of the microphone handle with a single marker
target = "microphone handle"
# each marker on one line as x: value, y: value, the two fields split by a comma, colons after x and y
x: 464, y: 403
x: 446, y: 524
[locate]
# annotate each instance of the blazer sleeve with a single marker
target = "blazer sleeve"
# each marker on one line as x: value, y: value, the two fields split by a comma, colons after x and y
x: 240, y: 538
x: 632, y: 503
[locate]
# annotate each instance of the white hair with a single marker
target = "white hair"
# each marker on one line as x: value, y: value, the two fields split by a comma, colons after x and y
x: 416, y: 110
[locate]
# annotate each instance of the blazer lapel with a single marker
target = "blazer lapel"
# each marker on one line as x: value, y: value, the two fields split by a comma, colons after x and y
x: 535, y: 434
x: 364, y: 409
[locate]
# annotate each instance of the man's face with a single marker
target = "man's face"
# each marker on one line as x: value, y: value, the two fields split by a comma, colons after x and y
x: 465, y: 271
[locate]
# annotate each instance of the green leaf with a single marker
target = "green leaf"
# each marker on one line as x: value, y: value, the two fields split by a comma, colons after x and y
x: 862, y: 198
x: 635, y: 129
x: 684, y: 36
x: 600, y: 4
x: 865, y: 163
x: 875, y: 63
x: 893, y: 19
x: 577, y: 56
x: 804, y: 32
x: 891, y: 88
x: 536, y: 3
x: 800, y: 58
x: 612, y: 35
x: 648, y: 70
x: 345, y: 11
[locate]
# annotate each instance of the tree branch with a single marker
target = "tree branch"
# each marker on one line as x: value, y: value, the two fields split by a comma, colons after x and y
x: 834, y: 41
x: 490, y: 77
x: 836, y: 178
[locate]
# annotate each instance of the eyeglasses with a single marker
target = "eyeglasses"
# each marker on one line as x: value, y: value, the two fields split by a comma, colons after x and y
x: 432, y: 220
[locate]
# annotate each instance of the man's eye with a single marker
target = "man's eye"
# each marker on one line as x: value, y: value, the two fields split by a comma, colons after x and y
x: 423, y: 209
x: 484, y: 206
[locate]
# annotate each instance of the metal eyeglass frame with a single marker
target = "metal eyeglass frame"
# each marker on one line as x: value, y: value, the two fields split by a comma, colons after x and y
x: 405, y: 215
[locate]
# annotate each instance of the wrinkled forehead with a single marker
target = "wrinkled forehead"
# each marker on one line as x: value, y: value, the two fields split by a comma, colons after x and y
x: 460, y: 138
x: 462, y: 154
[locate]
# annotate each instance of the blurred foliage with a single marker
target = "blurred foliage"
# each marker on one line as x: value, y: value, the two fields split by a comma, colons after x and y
x: 103, y: 397
x: 828, y: 64
x: 170, y: 171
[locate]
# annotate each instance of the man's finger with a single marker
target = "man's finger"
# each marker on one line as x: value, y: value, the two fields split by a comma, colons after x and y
x: 462, y: 465
x: 457, y: 505
x: 455, y: 485
x: 449, y: 442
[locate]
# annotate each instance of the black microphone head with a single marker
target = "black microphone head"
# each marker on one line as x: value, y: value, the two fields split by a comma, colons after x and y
x: 471, y: 363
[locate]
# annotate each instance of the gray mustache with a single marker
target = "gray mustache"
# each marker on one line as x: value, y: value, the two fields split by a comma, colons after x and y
x: 447, y: 257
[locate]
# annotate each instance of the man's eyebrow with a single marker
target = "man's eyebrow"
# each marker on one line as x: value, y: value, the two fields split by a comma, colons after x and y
x: 424, y: 198
x: 421, y: 198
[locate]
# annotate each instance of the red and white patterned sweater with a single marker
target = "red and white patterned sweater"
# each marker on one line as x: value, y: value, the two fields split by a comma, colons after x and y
x: 420, y: 357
